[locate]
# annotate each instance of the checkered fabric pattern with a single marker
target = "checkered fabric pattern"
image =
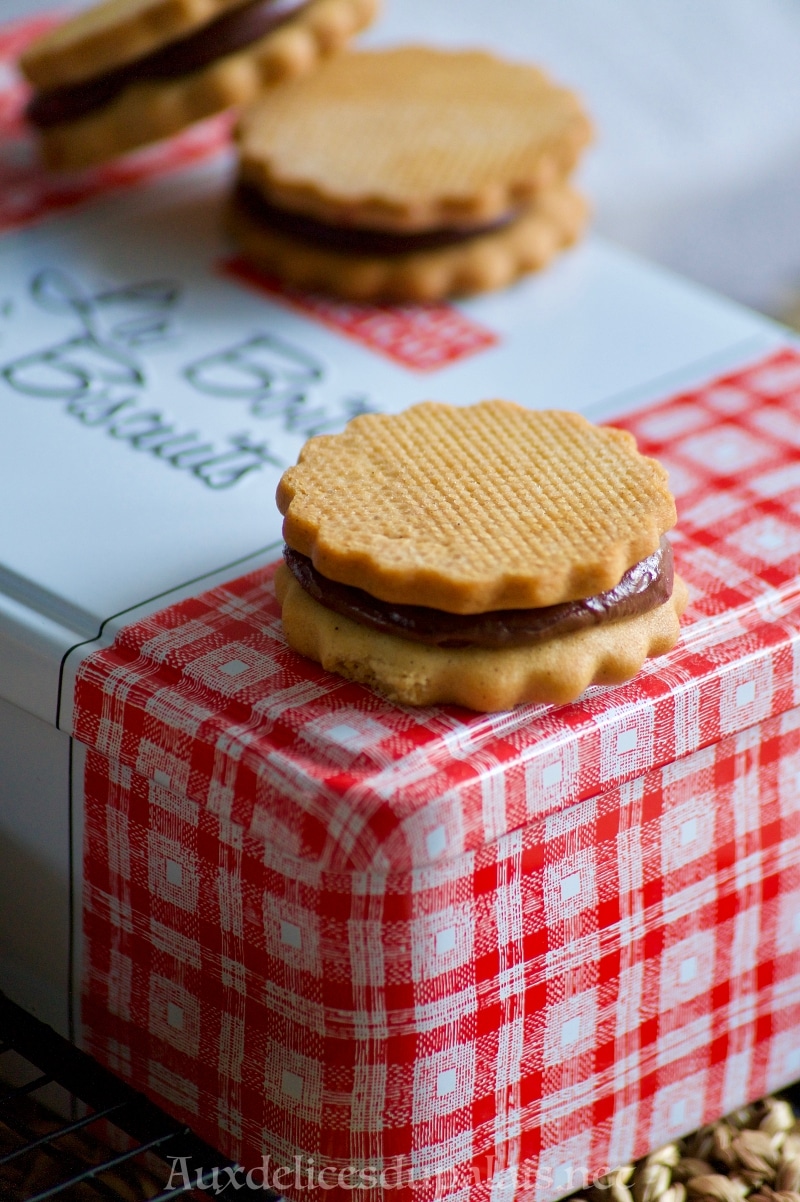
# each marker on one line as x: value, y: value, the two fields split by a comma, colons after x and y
x: 486, y: 956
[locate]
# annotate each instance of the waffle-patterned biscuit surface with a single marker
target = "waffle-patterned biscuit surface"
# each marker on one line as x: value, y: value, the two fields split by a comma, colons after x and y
x: 467, y: 510
x: 554, y: 671
x: 147, y: 110
x: 412, y: 138
x: 488, y: 261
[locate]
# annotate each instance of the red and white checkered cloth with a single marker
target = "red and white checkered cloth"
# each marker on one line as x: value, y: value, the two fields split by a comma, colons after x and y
x: 487, y: 955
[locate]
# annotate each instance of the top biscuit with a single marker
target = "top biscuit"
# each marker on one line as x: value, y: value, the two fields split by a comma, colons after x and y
x: 111, y: 34
x: 474, y: 509
x: 412, y: 138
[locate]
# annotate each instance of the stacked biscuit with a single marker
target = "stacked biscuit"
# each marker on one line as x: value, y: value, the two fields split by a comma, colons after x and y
x: 409, y: 175
x: 485, y: 556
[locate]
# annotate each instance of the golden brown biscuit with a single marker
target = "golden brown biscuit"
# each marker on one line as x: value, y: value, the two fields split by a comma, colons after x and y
x: 106, y: 80
x: 409, y: 174
x: 486, y: 555
x: 488, y: 507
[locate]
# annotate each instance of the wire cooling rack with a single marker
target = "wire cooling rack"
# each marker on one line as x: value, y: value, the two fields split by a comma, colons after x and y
x: 112, y: 1144
x: 117, y: 1146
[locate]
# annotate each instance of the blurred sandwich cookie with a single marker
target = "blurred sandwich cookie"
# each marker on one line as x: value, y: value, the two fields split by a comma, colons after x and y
x: 409, y: 174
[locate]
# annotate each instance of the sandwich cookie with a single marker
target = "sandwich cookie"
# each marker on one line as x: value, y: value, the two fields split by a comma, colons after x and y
x: 128, y: 72
x: 484, y: 556
x: 409, y: 175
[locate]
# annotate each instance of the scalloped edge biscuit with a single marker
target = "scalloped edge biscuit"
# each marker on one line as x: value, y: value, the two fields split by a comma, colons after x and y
x: 552, y: 672
x: 146, y: 112
x: 412, y: 138
x: 479, y: 264
x: 475, y: 508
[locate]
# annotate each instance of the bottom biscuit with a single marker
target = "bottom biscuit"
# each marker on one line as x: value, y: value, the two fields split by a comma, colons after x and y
x: 480, y: 264
x: 486, y: 679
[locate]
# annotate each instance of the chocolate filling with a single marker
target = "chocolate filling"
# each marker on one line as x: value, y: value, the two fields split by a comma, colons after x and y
x: 230, y: 32
x: 645, y: 586
x: 359, y: 240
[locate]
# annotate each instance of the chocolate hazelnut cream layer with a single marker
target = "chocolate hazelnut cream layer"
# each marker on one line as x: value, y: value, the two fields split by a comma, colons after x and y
x: 361, y: 240
x: 233, y: 30
x: 645, y: 586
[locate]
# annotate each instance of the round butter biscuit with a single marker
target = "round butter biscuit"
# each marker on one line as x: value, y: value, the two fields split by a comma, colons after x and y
x: 412, y: 138
x: 467, y: 510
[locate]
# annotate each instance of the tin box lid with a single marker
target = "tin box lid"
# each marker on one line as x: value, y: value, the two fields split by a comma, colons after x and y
x: 205, y: 700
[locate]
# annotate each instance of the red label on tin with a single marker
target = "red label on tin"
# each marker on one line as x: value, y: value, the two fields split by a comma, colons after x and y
x: 421, y: 337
